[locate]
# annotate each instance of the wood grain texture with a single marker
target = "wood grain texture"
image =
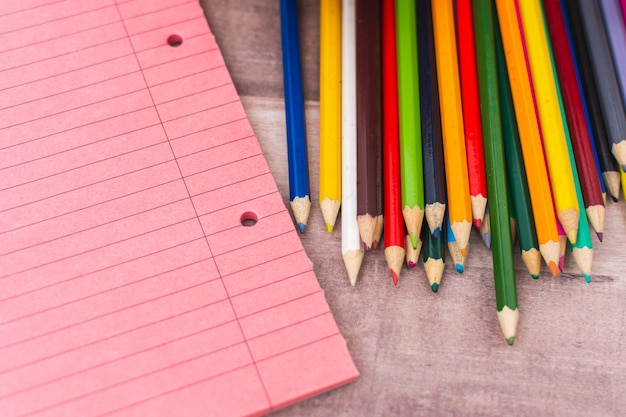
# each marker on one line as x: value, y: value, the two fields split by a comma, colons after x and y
x: 414, y: 354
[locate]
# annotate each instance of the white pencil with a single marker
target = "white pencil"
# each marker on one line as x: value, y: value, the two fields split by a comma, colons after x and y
x: 350, y: 238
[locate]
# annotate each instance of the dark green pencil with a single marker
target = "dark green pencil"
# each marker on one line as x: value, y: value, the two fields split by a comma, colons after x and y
x: 501, y: 244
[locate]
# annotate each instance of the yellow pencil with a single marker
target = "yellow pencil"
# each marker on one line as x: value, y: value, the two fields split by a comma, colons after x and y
x: 622, y: 175
x: 561, y: 176
x: 459, y: 205
x: 330, y: 110
x: 530, y: 138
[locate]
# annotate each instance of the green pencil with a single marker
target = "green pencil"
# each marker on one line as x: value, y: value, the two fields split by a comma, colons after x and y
x: 409, y: 119
x: 516, y: 171
x: 582, y: 250
x: 501, y: 244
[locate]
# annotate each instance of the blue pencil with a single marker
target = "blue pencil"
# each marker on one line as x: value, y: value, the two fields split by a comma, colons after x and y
x: 294, y: 111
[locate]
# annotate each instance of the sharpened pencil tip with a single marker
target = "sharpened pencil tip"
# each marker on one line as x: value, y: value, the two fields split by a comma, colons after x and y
x: 459, y: 268
x: 487, y: 240
x: 411, y: 264
x: 301, y: 226
x: 561, y: 263
x: 587, y: 278
x: 434, y: 287
x: 329, y: 227
x: 510, y: 340
x: 535, y: 276
x: 436, y: 232
x: 375, y: 245
x: 553, y: 269
x: 366, y: 248
x: 478, y: 223
x: 600, y: 236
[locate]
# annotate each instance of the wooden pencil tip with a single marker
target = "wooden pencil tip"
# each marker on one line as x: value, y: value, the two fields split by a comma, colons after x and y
x: 479, y: 204
x: 459, y: 268
x: 619, y: 152
x: 436, y: 232
x: 394, y: 255
x: 587, y: 278
x: 487, y: 240
x: 595, y: 214
x: 478, y: 223
x: 434, y: 287
x: 612, y: 183
x: 352, y: 260
x: 301, y: 207
x: 600, y: 236
x: 561, y: 264
x: 375, y: 244
x: 367, y: 224
x: 330, y: 209
x: 569, y: 220
x: 411, y: 264
x: 508, y: 322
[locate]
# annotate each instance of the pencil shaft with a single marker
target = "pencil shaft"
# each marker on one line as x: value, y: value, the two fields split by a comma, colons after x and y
x: 409, y: 108
x: 394, y: 224
x: 561, y: 177
x: 294, y: 101
x: 584, y: 167
x: 582, y: 249
x: 604, y: 75
x: 457, y: 183
x: 608, y: 165
x: 501, y: 247
x: 350, y: 239
x: 432, y: 145
x: 616, y: 32
x: 530, y: 139
x: 471, y: 110
x: 330, y: 109
x: 516, y: 171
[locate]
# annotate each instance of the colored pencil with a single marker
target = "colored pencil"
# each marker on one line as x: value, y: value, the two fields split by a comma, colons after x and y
x: 433, y: 255
x: 582, y: 249
x: 369, y: 119
x: 576, y: 122
x: 608, y: 165
x: 471, y: 111
x: 330, y: 111
x: 502, y: 247
x: 516, y: 172
x: 350, y: 239
x: 394, y: 223
x: 530, y: 139
x: 457, y: 255
x: 561, y: 176
x: 623, y: 7
x: 578, y: 72
x: 458, y: 201
x: 294, y: 109
x: 604, y: 75
x: 623, y: 180
x: 410, y: 129
x: 616, y: 32
x: 432, y: 145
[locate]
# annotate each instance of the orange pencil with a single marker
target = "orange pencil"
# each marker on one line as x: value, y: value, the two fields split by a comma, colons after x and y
x: 530, y: 138
x: 459, y: 206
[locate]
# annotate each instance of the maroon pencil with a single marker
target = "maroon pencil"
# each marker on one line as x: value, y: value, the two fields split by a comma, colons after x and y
x: 369, y: 122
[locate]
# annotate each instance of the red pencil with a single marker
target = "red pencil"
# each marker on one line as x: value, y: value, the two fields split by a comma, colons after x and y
x: 394, y: 222
x: 471, y: 111
x: 575, y: 113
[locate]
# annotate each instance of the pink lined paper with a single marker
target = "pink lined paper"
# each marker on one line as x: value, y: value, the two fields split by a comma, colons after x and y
x: 128, y: 284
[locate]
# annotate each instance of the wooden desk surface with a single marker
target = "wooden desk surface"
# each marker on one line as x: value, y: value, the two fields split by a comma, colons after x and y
x: 421, y: 353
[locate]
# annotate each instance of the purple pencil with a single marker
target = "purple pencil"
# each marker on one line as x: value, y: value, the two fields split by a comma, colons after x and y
x: 616, y: 32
